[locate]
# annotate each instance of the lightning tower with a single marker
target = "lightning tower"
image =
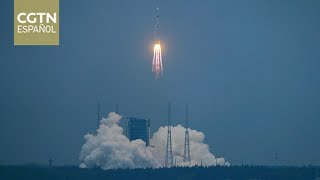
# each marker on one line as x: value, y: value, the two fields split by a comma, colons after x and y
x: 169, y: 157
x: 98, y: 114
x: 186, y: 155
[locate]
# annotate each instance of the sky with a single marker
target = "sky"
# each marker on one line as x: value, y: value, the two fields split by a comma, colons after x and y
x: 248, y: 69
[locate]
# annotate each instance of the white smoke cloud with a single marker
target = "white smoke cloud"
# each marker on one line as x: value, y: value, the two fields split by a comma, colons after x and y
x: 111, y: 149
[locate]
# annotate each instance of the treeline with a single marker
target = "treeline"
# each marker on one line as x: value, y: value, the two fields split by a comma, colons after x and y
x: 33, y: 172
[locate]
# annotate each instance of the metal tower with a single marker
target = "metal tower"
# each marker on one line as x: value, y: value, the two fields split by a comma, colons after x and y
x: 169, y: 157
x: 186, y: 155
x: 50, y: 162
x: 98, y: 115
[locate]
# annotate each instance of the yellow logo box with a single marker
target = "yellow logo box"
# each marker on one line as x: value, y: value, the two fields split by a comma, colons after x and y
x: 36, y: 22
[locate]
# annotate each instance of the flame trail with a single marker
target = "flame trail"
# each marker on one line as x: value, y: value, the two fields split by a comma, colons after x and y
x: 157, y: 60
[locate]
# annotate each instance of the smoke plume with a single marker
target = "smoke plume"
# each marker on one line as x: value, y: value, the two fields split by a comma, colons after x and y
x: 109, y: 148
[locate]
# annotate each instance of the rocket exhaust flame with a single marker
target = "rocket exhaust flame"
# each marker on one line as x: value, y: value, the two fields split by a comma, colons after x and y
x: 157, y: 67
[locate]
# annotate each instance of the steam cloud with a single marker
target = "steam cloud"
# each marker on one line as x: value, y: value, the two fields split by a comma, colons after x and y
x: 111, y: 149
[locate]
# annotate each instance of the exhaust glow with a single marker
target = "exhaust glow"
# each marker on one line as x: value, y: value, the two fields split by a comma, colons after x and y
x: 157, y: 67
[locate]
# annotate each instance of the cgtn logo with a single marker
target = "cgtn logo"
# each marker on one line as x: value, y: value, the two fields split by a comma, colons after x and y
x: 36, y: 22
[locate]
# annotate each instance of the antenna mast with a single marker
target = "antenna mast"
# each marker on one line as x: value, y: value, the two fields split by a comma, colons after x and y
x: 169, y: 157
x: 186, y: 155
x: 98, y: 114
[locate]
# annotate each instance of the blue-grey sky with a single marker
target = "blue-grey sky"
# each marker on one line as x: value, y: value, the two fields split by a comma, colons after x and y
x: 248, y: 69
